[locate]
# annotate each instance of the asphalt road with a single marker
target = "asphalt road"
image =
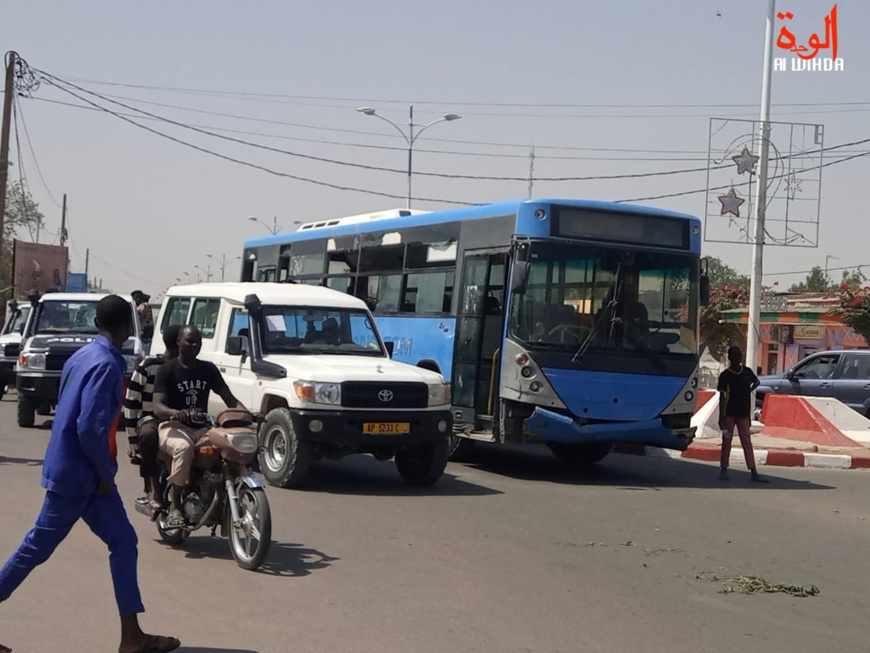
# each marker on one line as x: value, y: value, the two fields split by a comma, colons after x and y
x: 510, y: 553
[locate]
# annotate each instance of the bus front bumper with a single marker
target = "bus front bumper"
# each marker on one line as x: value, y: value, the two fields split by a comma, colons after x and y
x: 554, y: 427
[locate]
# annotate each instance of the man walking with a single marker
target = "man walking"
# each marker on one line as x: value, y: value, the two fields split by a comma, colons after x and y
x: 79, y: 471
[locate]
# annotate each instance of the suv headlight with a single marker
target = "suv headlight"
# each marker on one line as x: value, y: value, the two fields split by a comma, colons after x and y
x: 32, y: 361
x: 318, y: 393
x: 439, y: 394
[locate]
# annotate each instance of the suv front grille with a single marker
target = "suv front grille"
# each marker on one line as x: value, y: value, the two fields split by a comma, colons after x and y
x: 366, y: 394
x: 55, y: 362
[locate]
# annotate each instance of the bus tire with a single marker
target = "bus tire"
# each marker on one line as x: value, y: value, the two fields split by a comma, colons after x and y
x: 284, y: 457
x: 587, y: 453
x: 424, y: 464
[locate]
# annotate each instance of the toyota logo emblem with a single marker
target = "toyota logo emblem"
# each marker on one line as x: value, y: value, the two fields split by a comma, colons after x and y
x: 385, y: 395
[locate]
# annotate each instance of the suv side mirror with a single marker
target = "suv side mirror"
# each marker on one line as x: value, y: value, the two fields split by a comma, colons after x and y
x: 790, y: 375
x: 237, y: 346
x: 391, y: 347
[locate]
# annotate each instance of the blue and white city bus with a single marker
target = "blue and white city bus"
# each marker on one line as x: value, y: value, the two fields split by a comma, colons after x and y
x: 568, y: 322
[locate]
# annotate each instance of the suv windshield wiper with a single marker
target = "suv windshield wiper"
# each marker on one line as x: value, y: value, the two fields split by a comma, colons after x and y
x: 609, y: 311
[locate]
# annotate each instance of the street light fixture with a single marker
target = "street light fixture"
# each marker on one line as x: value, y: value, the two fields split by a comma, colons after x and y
x: 274, y: 229
x: 410, y: 137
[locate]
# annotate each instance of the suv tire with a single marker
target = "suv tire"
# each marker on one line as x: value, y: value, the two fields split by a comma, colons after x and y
x: 424, y: 464
x: 284, y: 459
x: 26, y: 411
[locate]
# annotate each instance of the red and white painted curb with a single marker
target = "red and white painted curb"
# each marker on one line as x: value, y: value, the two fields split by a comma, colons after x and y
x: 768, y: 457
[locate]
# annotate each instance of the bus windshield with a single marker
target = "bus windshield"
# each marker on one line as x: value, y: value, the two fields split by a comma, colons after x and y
x: 66, y: 316
x: 599, y: 298
x: 313, y: 330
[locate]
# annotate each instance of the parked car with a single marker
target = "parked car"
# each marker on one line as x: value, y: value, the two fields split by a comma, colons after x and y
x: 842, y: 375
x: 10, y: 343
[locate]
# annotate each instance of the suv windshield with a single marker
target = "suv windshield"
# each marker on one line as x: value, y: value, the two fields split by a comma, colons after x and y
x: 66, y: 316
x: 569, y: 300
x: 16, y: 324
x: 313, y: 330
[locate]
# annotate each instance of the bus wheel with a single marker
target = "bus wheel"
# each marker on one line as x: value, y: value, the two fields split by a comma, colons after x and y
x: 459, y: 448
x: 580, y: 454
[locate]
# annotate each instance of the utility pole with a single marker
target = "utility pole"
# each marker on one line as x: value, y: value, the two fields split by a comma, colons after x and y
x: 87, y: 260
x: 531, y: 170
x: 63, y: 223
x: 9, y: 90
x: 755, y: 288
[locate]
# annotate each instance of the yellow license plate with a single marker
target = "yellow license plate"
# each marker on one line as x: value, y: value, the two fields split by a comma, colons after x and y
x: 377, y: 428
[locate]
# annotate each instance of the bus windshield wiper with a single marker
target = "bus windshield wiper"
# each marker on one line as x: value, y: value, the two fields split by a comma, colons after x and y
x: 609, y: 311
x: 655, y: 358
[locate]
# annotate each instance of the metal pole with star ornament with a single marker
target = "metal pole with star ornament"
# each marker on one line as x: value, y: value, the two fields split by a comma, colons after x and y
x: 755, y: 289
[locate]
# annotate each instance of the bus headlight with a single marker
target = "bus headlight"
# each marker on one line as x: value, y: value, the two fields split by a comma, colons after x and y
x: 32, y: 361
x: 318, y: 393
x: 439, y: 395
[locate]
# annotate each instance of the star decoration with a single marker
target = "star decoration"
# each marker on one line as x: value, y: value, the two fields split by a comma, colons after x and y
x: 745, y: 161
x: 731, y: 203
x: 793, y: 185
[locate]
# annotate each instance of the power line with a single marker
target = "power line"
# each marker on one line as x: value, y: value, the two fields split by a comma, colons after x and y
x: 257, y: 166
x: 60, y: 84
x: 793, y: 272
x: 33, y: 154
x: 404, y: 149
x: 452, y: 102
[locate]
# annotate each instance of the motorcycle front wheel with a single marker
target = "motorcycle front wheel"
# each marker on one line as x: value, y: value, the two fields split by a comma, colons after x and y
x: 250, y: 540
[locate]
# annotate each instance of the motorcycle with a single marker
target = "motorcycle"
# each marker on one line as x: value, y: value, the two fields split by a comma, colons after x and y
x: 223, y: 490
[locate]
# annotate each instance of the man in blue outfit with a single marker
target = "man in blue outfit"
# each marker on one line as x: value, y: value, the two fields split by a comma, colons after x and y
x: 79, y: 474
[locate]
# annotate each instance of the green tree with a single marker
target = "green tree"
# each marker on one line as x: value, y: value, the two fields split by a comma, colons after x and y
x: 728, y: 290
x: 853, y: 303
x: 853, y: 278
x: 817, y: 281
x: 22, y: 217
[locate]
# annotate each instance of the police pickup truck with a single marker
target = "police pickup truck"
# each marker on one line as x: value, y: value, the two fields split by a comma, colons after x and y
x: 10, y: 343
x: 59, y: 324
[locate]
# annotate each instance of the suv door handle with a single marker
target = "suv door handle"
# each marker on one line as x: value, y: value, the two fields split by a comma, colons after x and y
x: 825, y: 385
x: 867, y: 386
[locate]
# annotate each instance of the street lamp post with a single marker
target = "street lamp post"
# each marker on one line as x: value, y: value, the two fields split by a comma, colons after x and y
x: 274, y: 228
x: 410, y: 137
x: 220, y: 262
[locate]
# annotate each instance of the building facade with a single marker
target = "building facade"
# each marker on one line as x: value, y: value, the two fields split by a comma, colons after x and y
x: 796, y: 326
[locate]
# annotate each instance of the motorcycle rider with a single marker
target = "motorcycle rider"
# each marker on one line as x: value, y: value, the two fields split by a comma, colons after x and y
x: 139, y: 419
x: 181, y: 390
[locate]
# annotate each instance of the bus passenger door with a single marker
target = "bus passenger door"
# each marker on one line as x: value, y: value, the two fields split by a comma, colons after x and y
x: 479, y: 329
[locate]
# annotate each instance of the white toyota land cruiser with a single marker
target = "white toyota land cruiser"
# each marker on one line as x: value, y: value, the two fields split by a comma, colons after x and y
x: 312, y: 361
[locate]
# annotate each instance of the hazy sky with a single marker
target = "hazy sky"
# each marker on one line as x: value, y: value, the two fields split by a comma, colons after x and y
x: 150, y: 209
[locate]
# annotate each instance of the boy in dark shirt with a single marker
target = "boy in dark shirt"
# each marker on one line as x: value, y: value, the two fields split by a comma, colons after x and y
x: 736, y: 385
x: 181, y: 391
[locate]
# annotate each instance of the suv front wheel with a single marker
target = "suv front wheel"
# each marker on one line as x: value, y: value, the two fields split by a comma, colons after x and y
x: 284, y: 458
x: 26, y: 411
x: 424, y: 464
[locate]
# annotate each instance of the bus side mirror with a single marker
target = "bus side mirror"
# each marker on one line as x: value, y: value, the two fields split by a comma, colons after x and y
x: 391, y: 347
x: 520, y: 277
x: 705, y: 290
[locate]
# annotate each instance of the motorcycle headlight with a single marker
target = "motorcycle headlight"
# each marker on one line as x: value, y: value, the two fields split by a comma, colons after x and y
x: 32, y: 361
x: 318, y: 393
x: 439, y: 395
x: 243, y: 442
